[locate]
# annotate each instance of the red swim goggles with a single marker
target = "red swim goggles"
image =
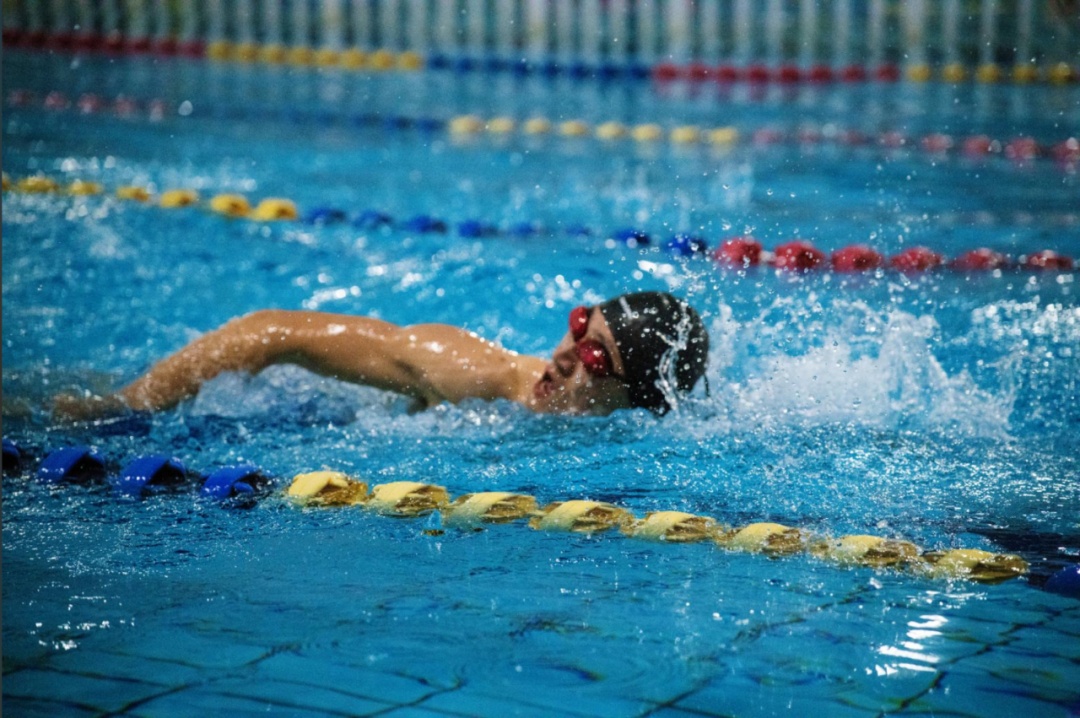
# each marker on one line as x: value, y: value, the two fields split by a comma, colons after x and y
x: 592, y: 354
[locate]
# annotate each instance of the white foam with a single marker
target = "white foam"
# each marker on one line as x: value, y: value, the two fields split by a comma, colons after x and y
x: 847, y: 364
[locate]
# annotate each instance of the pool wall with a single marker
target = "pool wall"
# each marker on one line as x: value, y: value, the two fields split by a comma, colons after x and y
x: 726, y: 40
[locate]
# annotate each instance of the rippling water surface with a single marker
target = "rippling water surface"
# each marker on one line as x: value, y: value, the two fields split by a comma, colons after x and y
x: 939, y: 408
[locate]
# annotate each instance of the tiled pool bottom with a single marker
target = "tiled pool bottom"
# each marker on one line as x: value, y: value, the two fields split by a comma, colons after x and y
x: 601, y: 626
x: 957, y: 435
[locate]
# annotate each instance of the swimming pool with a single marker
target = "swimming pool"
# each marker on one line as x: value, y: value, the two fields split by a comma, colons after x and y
x: 936, y: 407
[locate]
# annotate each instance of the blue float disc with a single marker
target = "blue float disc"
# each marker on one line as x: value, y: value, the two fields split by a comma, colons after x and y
x: 475, y: 228
x: 632, y: 237
x: 12, y: 456
x: 610, y: 70
x: 72, y: 463
x: 371, y: 219
x: 145, y: 471
x: 581, y: 70
x: 428, y: 124
x: 524, y: 229
x: 686, y: 245
x: 325, y: 215
x: 424, y: 223
x: 1066, y: 581
x: 233, y: 480
x: 438, y: 62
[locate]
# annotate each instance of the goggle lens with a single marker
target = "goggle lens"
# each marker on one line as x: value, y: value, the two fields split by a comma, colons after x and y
x: 579, y: 322
x: 594, y: 357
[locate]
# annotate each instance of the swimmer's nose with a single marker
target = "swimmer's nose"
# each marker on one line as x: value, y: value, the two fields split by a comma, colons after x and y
x: 565, y: 359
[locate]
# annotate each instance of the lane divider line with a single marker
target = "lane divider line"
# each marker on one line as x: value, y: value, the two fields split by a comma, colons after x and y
x: 734, y: 253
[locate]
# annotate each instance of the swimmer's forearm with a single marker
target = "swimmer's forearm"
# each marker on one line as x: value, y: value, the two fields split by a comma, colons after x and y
x: 320, y: 342
x: 237, y: 346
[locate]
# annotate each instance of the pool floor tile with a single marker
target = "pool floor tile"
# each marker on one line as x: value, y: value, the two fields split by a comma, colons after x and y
x: 475, y: 703
x: 33, y: 708
x: 420, y: 712
x: 1046, y: 641
x: 205, y: 701
x: 102, y: 694
x: 529, y: 701
x: 968, y: 690
x: 121, y: 666
x: 197, y: 650
x: 290, y: 695
x: 369, y: 684
x: 1016, y: 672
x: 741, y: 695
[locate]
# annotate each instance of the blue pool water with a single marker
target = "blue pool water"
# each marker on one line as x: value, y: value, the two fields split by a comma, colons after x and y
x: 939, y: 408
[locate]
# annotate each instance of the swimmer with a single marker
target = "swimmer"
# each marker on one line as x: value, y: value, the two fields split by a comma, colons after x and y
x: 637, y: 350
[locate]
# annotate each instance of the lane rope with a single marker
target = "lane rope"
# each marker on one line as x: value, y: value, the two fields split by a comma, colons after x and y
x: 244, y: 485
x: 382, y: 60
x: 736, y: 253
x: 610, y: 134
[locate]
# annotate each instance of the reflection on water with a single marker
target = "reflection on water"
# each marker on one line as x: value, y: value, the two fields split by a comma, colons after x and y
x: 940, y: 409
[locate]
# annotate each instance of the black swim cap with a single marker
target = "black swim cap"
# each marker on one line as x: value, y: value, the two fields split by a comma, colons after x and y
x: 663, y: 344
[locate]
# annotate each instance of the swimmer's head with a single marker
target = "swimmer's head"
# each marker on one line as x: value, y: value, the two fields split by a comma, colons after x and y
x: 663, y: 345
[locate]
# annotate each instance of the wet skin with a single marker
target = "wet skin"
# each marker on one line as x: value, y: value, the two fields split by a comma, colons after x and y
x: 432, y: 363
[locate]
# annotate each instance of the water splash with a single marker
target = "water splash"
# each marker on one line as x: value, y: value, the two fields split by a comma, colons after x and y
x: 805, y: 365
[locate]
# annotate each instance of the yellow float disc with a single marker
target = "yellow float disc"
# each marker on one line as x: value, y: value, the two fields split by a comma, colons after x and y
x: 219, y: 50
x: 353, y: 59
x: 647, y: 133
x: 246, y: 52
x: 685, y: 135
x: 272, y: 209
x: 674, y: 526
x: 610, y: 131
x: 954, y: 72
x: 988, y: 73
x: 328, y: 488
x: 489, y: 507
x: 1025, y: 73
x: 581, y: 516
x: 1060, y: 74
x: 407, y: 498
x: 7, y: 182
x: 573, y: 128
x: 920, y: 72
x: 410, y: 60
x: 137, y: 194
x: 500, y: 125
x: 537, y: 126
x: 723, y: 136
x: 82, y: 187
x: 325, y: 57
x: 974, y: 564
x: 230, y: 205
x: 866, y: 550
x: 273, y: 54
x: 466, y: 125
x: 381, y: 60
x: 768, y: 538
x: 37, y: 184
x: 179, y: 198
x: 300, y: 55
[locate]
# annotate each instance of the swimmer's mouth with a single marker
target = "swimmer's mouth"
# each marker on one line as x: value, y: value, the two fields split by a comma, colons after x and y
x: 544, y: 386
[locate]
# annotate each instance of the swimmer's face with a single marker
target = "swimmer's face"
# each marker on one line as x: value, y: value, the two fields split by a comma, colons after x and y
x: 584, y: 376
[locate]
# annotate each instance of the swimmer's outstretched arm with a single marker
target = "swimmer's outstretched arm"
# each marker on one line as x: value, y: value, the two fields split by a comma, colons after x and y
x: 432, y: 362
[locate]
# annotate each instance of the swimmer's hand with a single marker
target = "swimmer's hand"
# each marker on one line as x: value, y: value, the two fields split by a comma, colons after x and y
x: 88, y: 407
